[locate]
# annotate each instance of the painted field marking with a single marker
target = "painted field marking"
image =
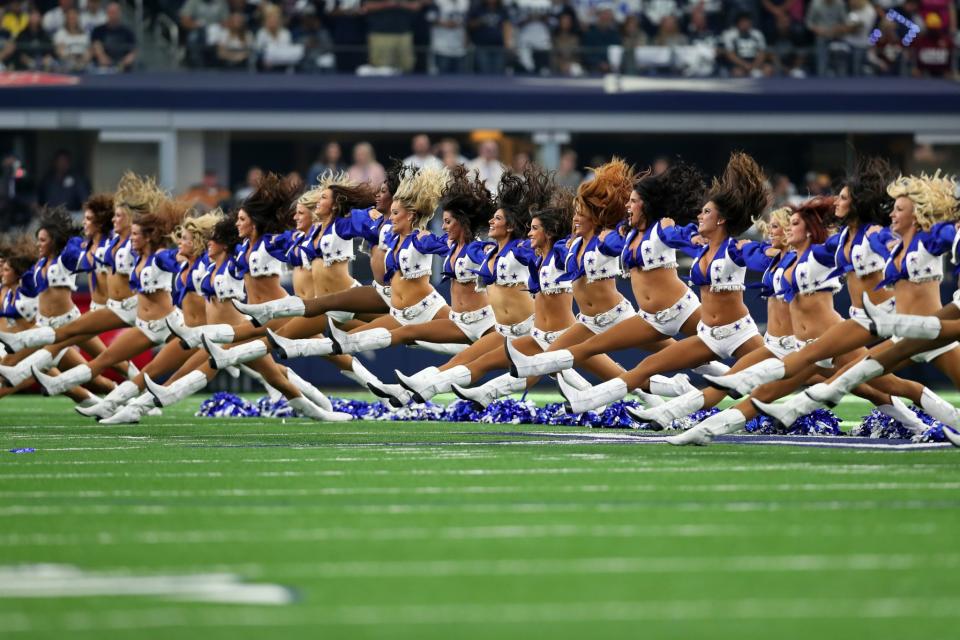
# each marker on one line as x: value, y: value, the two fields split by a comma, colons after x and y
x: 65, y: 581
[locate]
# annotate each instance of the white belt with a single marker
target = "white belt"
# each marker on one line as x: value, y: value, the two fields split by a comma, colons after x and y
x: 470, y: 317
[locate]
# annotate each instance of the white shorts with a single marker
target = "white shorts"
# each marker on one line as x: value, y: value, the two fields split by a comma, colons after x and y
x: 933, y: 354
x: 344, y: 316
x: 423, y: 311
x: 780, y: 346
x: 610, y: 318
x: 517, y: 330
x: 668, y: 321
x: 726, y: 339
x: 474, y: 323
x: 96, y: 306
x: 383, y: 290
x: 55, y: 322
x: 125, y: 309
x: 157, y: 330
x: 545, y: 338
x: 861, y: 318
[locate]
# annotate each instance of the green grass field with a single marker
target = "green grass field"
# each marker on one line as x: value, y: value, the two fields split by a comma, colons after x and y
x: 430, y: 530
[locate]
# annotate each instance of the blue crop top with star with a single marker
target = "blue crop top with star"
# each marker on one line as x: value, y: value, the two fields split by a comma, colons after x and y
x: 222, y: 282
x: 868, y: 252
x: 728, y: 268
x: 815, y: 271
x: 410, y: 256
x: 511, y: 266
x: 194, y: 274
x: 923, y: 258
x: 62, y: 270
x: 550, y: 269
x: 599, y: 260
x: 157, y: 274
x: 469, y: 259
x: 267, y: 258
x: 657, y: 248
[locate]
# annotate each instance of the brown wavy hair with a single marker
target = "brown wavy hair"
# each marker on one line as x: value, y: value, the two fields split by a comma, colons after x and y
x: 101, y: 206
x: 269, y: 206
x: 467, y: 199
x: 741, y: 193
x: 604, y: 198
x: 158, y: 224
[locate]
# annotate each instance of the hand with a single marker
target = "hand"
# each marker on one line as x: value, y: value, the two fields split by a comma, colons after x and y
x: 666, y: 222
x: 742, y: 243
x: 699, y: 240
x: 873, y: 229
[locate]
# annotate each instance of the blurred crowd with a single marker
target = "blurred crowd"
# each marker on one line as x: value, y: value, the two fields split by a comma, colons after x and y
x: 63, y: 183
x: 698, y: 38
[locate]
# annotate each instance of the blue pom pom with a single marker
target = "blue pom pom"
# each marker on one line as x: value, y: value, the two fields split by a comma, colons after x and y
x: 821, y: 422
x: 359, y: 409
x: 227, y: 405
x: 278, y: 408
x: 615, y: 416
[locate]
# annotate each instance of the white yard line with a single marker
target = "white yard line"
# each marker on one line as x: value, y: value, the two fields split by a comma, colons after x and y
x: 387, y: 534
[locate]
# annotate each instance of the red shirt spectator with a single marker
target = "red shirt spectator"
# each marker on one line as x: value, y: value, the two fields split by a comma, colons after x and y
x: 933, y: 49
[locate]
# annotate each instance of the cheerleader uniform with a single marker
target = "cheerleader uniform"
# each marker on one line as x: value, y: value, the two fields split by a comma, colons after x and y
x: 157, y: 274
x: 511, y: 268
x: 464, y: 270
x: 413, y: 260
x: 118, y: 258
x: 550, y: 270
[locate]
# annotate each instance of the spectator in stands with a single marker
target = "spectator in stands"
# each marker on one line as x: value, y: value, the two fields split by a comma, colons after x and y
x: 272, y: 33
x: 490, y: 32
x: 349, y: 32
x: 92, y: 15
x: 783, y: 190
x: 654, y: 11
x: 72, y: 43
x: 933, y: 49
x: 448, y: 150
x: 421, y: 156
x: 532, y: 41
x: 660, y: 165
x: 601, y: 35
x: 235, y: 44
x: 669, y: 34
x: 448, y: 35
x: 565, y: 57
x: 745, y: 49
x: 698, y: 27
x: 860, y: 20
x: 886, y: 56
x: 365, y: 167
x: 633, y: 38
x: 54, y: 18
x: 827, y: 19
x: 567, y: 173
x: 945, y: 9
x: 62, y: 185
x: 521, y: 162
x: 114, y: 45
x: 33, y: 48
x: 390, y: 26
x: 487, y: 164
x: 7, y: 46
x: 331, y: 160
x: 15, y: 17
x: 195, y: 17
x: 209, y: 193
x: 317, y: 43
x: 254, y: 176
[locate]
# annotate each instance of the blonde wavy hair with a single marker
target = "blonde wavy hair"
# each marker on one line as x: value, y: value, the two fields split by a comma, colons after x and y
x: 200, y: 227
x: 138, y: 194
x: 421, y: 193
x: 781, y: 216
x: 934, y: 197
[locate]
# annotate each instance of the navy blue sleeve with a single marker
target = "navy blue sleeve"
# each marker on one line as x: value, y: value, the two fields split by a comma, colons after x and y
x: 755, y: 257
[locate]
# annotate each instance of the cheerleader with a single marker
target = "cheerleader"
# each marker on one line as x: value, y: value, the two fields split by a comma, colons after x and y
x: 152, y: 279
x: 807, y: 280
x: 553, y: 302
x: 914, y: 269
x: 191, y: 237
x: 725, y: 329
x: 261, y: 221
x: 328, y: 249
x: 466, y: 205
x: 504, y: 275
x: 667, y: 306
x: 373, y: 299
x: 134, y: 194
